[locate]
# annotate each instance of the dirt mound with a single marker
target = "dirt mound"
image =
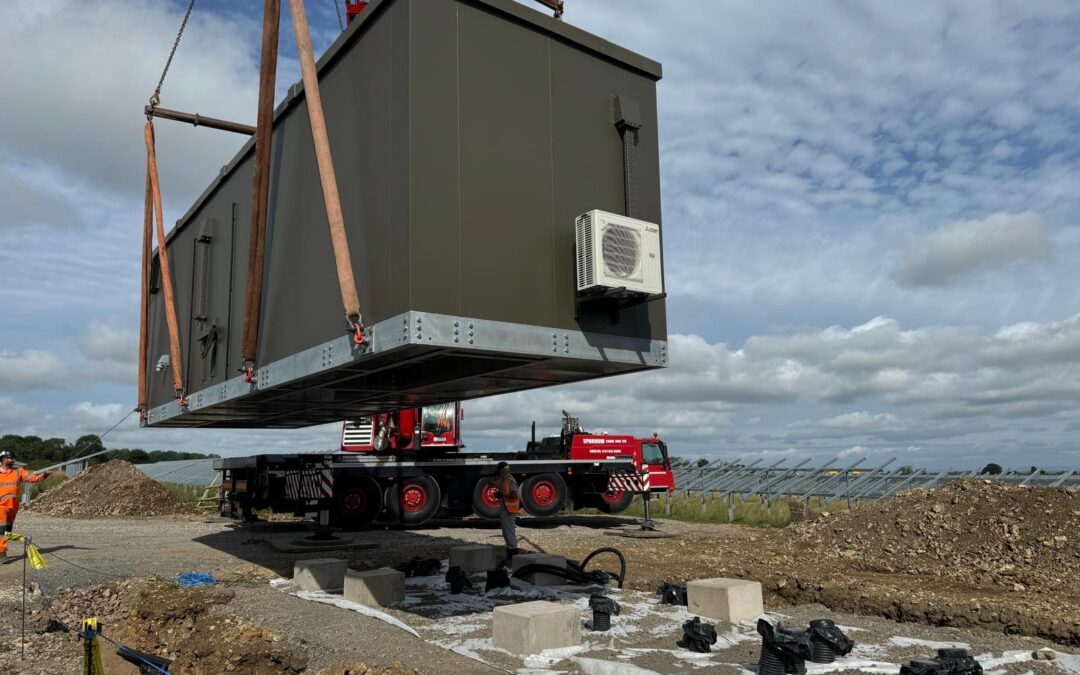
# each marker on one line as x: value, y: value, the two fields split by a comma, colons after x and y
x: 111, y: 489
x: 970, y: 554
x: 361, y: 668
x: 978, y: 532
x: 157, y: 617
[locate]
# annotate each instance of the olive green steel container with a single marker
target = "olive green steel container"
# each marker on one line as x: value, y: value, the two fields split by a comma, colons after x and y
x: 467, y: 136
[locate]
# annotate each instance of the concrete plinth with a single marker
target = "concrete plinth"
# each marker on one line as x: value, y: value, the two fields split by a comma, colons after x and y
x: 376, y: 588
x: 539, y: 578
x: 320, y: 574
x: 474, y: 557
x: 532, y: 627
x: 731, y: 600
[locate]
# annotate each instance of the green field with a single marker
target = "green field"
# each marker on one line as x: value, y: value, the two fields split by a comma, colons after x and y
x: 752, y: 511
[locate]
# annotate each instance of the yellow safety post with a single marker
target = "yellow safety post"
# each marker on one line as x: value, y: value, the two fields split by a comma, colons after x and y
x: 92, y: 651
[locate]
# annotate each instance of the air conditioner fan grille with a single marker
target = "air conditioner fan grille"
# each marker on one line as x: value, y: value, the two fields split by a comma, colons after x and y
x: 621, y: 250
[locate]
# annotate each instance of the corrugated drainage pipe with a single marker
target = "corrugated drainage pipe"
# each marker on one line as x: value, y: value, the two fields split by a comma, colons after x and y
x: 828, y: 641
x: 602, y: 608
x: 783, y: 650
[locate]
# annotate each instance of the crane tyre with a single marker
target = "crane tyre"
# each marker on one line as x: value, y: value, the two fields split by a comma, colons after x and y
x: 615, y: 502
x: 413, y: 501
x: 485, y: 501
x: 544, y: 494
x: 357, y: 504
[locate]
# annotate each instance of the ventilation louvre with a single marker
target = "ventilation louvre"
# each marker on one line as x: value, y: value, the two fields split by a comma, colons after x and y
x: 586, y: 260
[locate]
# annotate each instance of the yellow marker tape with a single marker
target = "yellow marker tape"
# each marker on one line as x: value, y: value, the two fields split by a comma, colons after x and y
x: 33, y: 555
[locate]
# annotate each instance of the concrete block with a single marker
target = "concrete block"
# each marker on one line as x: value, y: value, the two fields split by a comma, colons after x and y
x: 731, y: 600
x: 539, y: 578
x: 474, y: 557
x: 320, y: 574
x: 532, y: 627
x: 375, y: 588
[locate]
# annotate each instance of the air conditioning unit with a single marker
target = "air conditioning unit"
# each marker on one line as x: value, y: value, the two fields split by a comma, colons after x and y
x: 617, y: 252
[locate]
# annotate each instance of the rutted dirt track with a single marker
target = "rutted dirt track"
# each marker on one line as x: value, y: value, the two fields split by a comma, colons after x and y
x: 984, y: 557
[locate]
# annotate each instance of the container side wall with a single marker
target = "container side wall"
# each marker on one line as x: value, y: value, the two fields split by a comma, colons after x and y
x: 513, y: 137
x: 505, y: 154
x: 436, y: 175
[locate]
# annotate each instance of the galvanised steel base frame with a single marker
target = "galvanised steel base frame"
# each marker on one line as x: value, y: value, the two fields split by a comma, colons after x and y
x: 413, y: 359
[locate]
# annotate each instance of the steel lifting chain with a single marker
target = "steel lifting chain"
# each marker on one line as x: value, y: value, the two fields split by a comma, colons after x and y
x: 337, y: 8
x: 155, y: 98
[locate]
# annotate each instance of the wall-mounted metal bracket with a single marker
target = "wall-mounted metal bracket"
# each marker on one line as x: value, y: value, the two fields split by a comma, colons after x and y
x: 612, y: 300
x: 627, y: 118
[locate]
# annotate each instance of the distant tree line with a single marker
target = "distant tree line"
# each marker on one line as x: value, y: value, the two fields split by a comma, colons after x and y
x: 37, y: 452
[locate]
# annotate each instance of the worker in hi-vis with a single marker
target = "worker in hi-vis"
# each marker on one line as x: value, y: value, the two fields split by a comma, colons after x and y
x: 10, y: 479
x: 509, y: 505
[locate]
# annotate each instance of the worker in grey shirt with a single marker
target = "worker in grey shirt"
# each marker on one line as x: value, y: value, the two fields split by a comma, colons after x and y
x: 509, y: 505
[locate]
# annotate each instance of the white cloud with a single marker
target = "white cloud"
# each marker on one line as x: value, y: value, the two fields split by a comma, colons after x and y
x: 800, y: 150
x: 32, y: 369
x: 87, y: 70
x: 28, y: 200
x: 111, y: 353
x: 13, y: 413
x: 967, y: 247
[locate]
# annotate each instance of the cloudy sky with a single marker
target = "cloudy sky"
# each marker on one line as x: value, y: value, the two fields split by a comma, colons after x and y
x: 871, y: 217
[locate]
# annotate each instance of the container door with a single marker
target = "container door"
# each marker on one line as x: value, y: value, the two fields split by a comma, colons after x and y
x: 211, y: 283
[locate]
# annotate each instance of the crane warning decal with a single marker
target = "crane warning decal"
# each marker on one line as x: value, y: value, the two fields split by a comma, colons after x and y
x: 628, y: 482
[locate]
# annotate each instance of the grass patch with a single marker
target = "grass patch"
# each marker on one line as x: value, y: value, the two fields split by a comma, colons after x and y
x: 187, y: 493
x: 694, y: 508
x: 37, y: 489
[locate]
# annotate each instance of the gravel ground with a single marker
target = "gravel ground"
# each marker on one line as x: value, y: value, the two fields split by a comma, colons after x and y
x: 246, y: 557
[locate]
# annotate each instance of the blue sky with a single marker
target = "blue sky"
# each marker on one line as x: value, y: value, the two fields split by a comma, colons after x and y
x: 870, y: 214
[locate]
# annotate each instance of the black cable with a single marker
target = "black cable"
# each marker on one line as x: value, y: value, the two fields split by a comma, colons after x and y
x: 608, y: 549
x: 575, y: 572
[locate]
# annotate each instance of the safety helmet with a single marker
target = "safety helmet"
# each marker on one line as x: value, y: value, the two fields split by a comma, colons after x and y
x: 7, y: 453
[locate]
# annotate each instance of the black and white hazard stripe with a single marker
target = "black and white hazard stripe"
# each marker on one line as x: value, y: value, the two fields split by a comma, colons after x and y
x: 628, y: 482
x: 309, y: 484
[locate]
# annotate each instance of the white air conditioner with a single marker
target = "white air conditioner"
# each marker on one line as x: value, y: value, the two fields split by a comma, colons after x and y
x: 614, y: 251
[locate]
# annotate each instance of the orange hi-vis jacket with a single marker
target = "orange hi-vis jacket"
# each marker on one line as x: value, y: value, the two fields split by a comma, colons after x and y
x: 9, y: 485
x: 508, y: 491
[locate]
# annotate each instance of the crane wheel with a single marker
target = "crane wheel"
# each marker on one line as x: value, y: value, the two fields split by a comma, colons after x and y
x: 356, y: 504
x: 544, y: 494
x: 615, y: 502
x: 413, y: 501
x: 485, y: 500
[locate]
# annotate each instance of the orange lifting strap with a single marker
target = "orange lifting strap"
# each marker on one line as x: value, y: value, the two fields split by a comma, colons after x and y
x: 153, y: 200
x: 261, y: 181
x: 331, y: 198
x: 259, y: 207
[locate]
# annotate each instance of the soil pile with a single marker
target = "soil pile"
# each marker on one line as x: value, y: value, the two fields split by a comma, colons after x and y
x: 159, y: 618
x: 361, y: 668
x: 111, y: 489
x: 970, y: 554
x: 977, y: 532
